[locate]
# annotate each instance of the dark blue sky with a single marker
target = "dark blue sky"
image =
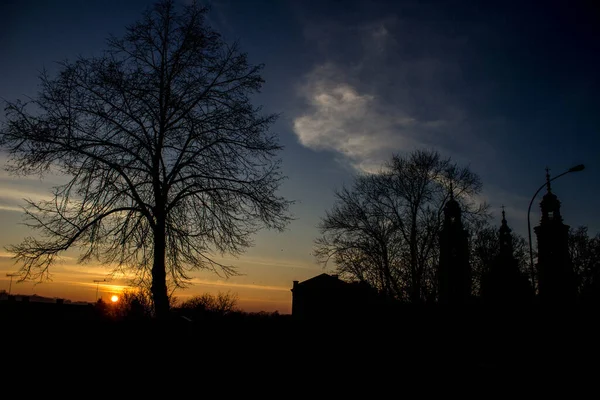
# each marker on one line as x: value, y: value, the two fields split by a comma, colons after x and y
x: 507, y: 87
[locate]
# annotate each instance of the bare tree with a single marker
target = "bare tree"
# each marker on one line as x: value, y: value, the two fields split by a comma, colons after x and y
x: 360, y: 237
x: 385, y: 229
x: 419, y: 185
x: 168, y: 160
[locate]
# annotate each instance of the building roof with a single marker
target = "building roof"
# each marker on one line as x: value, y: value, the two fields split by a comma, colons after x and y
x: 323, y: 280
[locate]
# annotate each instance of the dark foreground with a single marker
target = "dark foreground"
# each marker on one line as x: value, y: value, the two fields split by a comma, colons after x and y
x: 423, y: 341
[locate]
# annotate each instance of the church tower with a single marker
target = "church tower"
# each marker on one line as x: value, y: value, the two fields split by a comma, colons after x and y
x: 556, y: 279
x: 454, y: 273
x: 506, y: 243
x: 504, y: 284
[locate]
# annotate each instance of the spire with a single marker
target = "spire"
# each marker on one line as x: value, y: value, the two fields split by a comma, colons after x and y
x: 452, y: 210
x: 506, y: 245
x: 550, y: 204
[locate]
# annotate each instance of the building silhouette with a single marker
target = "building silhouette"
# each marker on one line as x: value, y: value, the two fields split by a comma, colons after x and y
x: 504, y: 284
x: 556, y: 278
x: 326, y: 296
x: 454, y: 272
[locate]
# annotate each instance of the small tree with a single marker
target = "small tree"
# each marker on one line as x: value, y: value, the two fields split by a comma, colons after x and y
x: 222, y: 303
x: 134, y: 304
x: 169, y: 162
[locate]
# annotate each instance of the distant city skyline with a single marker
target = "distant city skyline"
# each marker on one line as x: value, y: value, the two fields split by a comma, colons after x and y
x: 506, y: 89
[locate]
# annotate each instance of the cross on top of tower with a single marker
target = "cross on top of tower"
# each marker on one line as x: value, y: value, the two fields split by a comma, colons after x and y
x: 506, y: 246
x: 548, y: 179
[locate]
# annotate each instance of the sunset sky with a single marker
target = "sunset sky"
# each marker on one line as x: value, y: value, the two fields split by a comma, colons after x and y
x: 508, y: 88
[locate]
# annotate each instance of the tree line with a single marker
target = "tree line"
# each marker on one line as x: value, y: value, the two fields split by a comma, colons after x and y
x: 384, y: 230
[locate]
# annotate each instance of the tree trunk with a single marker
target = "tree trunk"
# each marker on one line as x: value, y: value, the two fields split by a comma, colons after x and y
x: 159, y: 275
x: 415, y: 292
x: 416, y: 285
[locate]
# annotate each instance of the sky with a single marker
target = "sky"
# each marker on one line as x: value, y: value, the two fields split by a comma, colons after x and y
x: 508, y: 88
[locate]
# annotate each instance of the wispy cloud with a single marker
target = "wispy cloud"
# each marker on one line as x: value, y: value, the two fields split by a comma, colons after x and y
x: 14, y: 189
x: 6, y: 207
x: 264, y: 261
x: 229, y: 284
x: 11, y: 198
x: 13, y: 194
x: 106, y: 286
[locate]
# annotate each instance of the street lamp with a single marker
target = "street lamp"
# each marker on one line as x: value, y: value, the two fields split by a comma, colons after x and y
x: 10, y: 285
x: 97, y: 282
x: 576, y: 168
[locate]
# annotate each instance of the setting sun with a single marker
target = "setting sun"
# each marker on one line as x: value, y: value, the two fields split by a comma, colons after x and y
x: 114, y: 299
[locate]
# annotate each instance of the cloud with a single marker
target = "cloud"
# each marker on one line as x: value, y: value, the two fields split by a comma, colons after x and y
x: 263, y: 261
x: 12, y: 197
x: 382, y: 87
x: 14, y: 187
x: 229, y: 284
x: 6, y: 207
x: 354, y: 124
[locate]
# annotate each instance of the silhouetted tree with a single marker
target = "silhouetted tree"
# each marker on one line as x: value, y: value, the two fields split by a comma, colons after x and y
x: 384, y: 230
x: 169, y: 162
x: 585, y: 258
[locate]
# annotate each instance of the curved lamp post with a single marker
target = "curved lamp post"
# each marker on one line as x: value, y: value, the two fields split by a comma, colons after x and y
x: 10, y: 285
x: 576, y: 168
